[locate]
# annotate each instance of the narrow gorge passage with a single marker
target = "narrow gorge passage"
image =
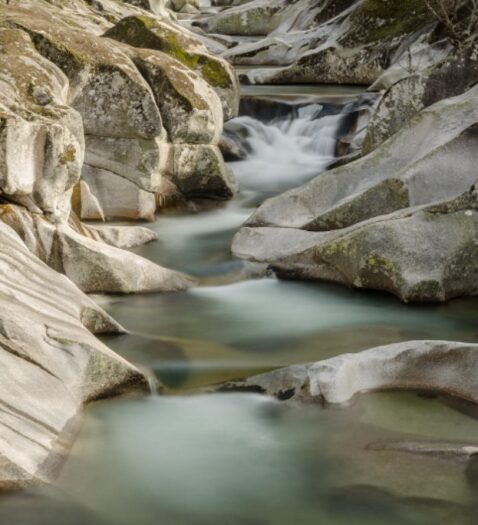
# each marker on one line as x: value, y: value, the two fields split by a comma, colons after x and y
x: 242, y: 458
x: 238, y: 262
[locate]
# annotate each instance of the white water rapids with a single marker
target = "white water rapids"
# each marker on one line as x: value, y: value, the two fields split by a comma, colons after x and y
x: 285, y: 152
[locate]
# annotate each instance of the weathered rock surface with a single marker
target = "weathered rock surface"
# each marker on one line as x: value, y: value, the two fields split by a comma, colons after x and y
x: 51, y: 364
x: 145, y: 32
x: 117, y: 197
x: 327, y: 41
x: 90, y: 263
x: 41, y: 140
x: 118, y: 236
x: 439, y: 163
x: 425, y: 253
x: 437, y: 366
x: 199, y: 171
x: 115, y: 95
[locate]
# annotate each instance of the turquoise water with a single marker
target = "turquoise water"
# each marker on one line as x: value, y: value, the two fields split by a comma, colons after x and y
x: 246, y: 459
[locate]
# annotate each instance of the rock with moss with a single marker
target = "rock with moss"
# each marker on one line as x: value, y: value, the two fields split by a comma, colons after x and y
x: 444, y: 367
x: 107, y: 90
x: 425, y: 253
x: 334, y: 41
x: 121, y: 95
x: 52, y: 364
x: 350, y: 42
x: 146, y: 32
x: 191, y: 109
x: 94, y: 265
x: 438, y: 163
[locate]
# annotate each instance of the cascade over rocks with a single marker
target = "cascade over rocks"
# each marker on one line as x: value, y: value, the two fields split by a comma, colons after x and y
x: 398, y: 174
x: 91, y: 127
x: 374, y: 223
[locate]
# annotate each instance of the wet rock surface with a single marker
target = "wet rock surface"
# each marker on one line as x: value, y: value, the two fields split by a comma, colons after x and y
x: 437, y: 366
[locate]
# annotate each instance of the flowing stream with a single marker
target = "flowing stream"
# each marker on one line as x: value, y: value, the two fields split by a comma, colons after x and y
x: 241, y: 459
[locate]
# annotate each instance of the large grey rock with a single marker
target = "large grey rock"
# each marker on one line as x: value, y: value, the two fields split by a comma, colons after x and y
x: 438, y: 163
x: 199, y: 171
x: 51, y: 364
x: 422, y: 254
x: 107, y: 90
x: 437, y: 366
x: 191, y: 109
x: 256, y: 18
x: 450, y: 77
x: 140, y: 161
x: 114, y: 94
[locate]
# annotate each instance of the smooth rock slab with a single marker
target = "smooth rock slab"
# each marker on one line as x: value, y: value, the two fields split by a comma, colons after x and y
x: 50, y: 364
x: 437, y: 366
x: 425, y: 253
x: 94, y: 265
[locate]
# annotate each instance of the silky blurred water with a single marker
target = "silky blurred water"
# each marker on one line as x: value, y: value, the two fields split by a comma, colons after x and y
x: 242, y: 459
x: 246, y: 459
x: 232, y: 325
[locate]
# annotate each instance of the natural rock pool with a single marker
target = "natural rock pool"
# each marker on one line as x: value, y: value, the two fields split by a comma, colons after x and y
x: 194, y: 458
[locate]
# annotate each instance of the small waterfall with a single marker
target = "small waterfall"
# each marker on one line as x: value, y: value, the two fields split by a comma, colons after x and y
x: 284, y: 151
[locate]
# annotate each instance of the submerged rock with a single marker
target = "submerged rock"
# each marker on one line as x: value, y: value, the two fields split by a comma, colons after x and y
x: 438, y: 366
